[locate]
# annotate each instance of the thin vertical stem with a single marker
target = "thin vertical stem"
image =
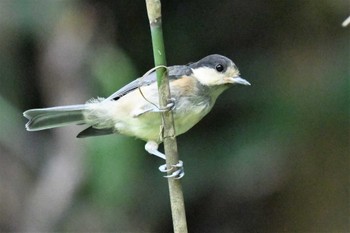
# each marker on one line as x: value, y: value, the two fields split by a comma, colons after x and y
x: 169, y: 140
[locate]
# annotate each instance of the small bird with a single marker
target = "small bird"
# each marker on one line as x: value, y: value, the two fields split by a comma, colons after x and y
x: 133, y: 111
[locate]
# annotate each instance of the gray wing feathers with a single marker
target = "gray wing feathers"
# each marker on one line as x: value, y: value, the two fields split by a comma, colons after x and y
x: 179, y: 71
x: 145, y: 81
x: 92, y: 132
x: 174, y: 73
x: 47, y: 118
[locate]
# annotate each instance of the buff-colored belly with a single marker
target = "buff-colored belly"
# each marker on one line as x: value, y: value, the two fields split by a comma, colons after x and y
x: 148, y: 125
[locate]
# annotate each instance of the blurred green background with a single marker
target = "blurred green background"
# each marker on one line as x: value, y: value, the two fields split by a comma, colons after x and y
x: 272, y: 157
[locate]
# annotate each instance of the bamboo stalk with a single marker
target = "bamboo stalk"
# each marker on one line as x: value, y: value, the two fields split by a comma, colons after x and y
x: 169, y: 140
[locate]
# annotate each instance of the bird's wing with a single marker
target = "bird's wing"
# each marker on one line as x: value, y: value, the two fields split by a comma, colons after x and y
x: 174, y: 73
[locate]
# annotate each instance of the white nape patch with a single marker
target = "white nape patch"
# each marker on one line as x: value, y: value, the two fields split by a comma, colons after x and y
x: 210, y: 77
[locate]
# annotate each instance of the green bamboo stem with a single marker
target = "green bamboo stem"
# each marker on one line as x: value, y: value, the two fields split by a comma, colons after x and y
x: 169, y: 140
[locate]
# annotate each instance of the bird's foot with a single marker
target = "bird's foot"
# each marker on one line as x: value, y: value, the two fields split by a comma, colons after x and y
x: 177, y: 174
x: 152, y: 148
x: 169, y: 107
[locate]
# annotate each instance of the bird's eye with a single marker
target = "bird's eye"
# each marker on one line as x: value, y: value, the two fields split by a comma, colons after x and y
x: 219, y: 67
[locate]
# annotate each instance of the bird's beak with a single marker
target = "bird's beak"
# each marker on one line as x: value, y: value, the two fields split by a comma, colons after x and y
x: 238, y: 80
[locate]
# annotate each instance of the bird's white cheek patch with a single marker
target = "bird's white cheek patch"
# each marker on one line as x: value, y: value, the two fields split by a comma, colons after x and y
x: 207, y: 76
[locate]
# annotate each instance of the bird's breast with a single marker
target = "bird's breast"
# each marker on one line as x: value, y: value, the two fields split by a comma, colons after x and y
x: 188, y: 113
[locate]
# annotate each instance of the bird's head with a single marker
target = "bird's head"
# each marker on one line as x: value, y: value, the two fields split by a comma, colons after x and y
x: 216, y: 71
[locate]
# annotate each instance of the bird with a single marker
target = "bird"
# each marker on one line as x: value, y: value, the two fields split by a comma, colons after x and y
x: 133, y: 109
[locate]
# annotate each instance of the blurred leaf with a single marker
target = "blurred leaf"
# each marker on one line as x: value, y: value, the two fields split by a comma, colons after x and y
x: 114, y: 162
x: 112, y: 68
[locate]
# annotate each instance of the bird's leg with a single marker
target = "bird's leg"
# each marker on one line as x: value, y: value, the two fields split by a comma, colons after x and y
x: 152, y: 148
x: 170, y: 106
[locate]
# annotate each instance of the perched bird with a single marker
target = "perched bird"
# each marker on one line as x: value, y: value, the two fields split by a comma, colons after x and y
x: 194, y: 89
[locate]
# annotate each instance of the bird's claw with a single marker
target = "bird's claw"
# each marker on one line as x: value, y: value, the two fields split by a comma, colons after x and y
x: 171, y: 104
x: 178, y: 174
x: 169, y: 107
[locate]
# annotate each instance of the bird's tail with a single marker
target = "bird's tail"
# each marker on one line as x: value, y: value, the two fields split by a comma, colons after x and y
x: 47, y: 118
